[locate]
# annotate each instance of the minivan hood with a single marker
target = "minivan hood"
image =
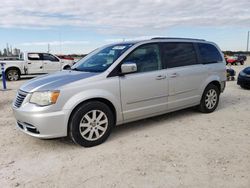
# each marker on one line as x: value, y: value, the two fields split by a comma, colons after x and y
x: 55, y: 80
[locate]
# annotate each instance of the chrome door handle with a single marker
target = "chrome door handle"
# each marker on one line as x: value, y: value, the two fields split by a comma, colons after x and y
x: 173, y: 75
x: 161, y: 77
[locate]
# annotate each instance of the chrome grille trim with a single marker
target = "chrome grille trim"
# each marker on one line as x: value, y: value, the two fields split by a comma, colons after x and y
x: 20, y: 98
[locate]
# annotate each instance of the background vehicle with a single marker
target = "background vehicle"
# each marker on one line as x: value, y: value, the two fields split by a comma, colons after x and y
x: 230, y: 74
x: 34, y: 63
x: 241, y: 56
x: 234, y: 60
x: 244, y: 78
x: 65, y: 57
x: 121, y: 83
x: 231, y: 60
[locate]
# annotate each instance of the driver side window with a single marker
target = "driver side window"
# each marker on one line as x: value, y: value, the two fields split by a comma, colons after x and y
x: 49, y: 57
x: 146, y: 57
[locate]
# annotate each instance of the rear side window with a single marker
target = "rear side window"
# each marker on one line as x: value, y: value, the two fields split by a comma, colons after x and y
x: 34, y: 57
x: 177, y: 54
x: 209, y: 54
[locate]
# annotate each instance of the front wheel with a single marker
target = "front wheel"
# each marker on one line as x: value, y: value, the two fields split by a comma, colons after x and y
x: 210, y: 99
x: 91, y: 124
x: 12, y: 75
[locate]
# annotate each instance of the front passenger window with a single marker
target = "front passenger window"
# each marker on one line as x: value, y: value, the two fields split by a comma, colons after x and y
x: 147, y: 58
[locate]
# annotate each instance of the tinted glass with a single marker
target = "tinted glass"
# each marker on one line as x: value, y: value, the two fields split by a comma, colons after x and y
x: 146, y: 57
x: 101, y: 59
x: 178, y: 54
x: 49, y: 57
x: 209, y: 54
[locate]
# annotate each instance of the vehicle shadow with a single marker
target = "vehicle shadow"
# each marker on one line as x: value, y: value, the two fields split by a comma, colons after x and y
x: 27, y: 77
x: 165, y: 119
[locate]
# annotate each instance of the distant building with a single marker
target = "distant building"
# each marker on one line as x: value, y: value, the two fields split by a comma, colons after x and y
x: 16, y: 52
x: 5, y: 52
x: 10, y: 52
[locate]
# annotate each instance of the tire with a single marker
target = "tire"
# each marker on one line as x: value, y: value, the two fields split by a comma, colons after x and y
x: 209, y: 104
x: 12, y: 74
x: 84, y: 128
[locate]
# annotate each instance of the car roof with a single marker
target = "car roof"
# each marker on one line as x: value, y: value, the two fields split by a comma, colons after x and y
x: 163, y: 39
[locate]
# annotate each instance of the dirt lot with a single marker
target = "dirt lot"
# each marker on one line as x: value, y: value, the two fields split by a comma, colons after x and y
x: 181, y: 149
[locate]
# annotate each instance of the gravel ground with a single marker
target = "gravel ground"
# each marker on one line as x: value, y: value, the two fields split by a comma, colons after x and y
x: 180, y: 149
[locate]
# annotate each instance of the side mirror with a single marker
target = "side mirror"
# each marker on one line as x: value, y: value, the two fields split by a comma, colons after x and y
x: 128, y: 67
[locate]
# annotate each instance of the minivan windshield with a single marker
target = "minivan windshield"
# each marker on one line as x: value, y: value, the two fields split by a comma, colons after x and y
x: 101, y: 59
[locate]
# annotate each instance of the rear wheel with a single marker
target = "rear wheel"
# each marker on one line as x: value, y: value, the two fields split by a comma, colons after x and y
x: 12, y: 75
x: 91, y: 124
x: 210, y: 99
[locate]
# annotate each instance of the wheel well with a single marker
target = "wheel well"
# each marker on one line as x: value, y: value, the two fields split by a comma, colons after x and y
x: 105, y: 101
x: 217, y: 84
x: 66, y: 66
x: 13, y: 68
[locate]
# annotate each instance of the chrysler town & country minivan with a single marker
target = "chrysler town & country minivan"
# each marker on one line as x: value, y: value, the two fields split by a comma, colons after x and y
x: 121, y: 83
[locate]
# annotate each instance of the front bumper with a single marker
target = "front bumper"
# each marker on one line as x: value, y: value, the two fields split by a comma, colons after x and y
x: 42, y: 124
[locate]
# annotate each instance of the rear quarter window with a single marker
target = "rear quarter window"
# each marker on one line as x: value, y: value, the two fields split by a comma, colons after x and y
x: 177, y: 54
x: 209, y: 53
x: 34, y: 57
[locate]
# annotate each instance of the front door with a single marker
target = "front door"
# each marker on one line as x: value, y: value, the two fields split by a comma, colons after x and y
x: 144, y: 92
x: 34, y: 63
x: 51, y: 63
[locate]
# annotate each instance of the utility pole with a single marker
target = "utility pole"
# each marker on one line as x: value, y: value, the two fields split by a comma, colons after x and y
x: 248, y: 40
x: 48, y: 48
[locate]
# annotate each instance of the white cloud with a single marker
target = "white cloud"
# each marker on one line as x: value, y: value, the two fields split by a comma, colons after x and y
x: 53, y: 43
x: 124, y: 16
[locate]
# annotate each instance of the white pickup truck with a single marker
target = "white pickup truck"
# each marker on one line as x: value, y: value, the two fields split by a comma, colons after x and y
x: 34, y: 63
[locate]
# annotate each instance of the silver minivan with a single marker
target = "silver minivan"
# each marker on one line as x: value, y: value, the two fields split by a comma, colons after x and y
x: 121, y: 83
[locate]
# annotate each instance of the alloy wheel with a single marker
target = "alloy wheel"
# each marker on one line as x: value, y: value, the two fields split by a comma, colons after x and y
x: 211, y: 99
x: 93, y: 125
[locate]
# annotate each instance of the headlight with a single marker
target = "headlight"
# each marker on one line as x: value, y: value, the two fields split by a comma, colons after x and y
x: 44, y: 98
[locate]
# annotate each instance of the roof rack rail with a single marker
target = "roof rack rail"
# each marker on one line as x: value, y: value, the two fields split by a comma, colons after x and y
x: 156, y: 38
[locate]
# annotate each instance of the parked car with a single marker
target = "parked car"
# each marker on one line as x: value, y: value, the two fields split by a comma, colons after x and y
x: 121, y: 83
x: 241, y: 56
x: 231, y: 60
x: 34, y: 63
x: 65, y: 57
x: 244, y: 78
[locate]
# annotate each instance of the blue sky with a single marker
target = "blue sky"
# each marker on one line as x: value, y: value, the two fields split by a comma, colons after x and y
x: 77, y: 26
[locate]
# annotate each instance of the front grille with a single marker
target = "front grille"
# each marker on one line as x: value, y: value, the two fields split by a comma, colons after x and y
x: 20, y: 98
